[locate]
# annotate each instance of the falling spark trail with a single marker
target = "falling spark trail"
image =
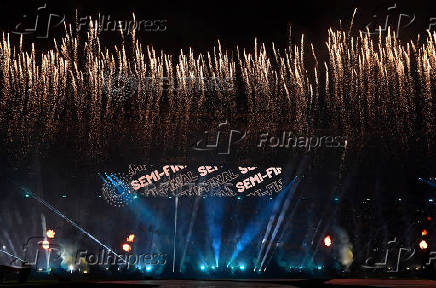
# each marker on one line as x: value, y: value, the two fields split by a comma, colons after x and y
x: 273, y: 217
x: 324, y: 217
x: 369, y: 88
x: 285, y: 229
x: 44, y: 232
x: 281, y: 219
x: 53, y: 209
x: 175, y: 231
x: 191, y: 226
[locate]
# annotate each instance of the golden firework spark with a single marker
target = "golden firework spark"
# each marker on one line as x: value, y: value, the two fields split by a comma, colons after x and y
x: 371, y: 88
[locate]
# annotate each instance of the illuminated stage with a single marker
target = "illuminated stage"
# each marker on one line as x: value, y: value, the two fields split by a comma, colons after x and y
x: 288, y: 156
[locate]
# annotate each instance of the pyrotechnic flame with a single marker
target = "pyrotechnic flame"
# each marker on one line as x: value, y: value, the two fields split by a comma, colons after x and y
x: 328, y: 241
x: 45, y: 244
x: 51, y: 233
x: 131, y: 238
x: 127, y: 247
x: 423, y: 245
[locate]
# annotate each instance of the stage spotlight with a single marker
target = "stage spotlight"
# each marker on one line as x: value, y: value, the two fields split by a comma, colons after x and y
x: 242, y: 267
x: 50, y: 234
x: 131, y: 238
x: 71, y: 268
x: 127, y: 247
x: 46, y: 244
x: 428, y: 218
x: 424, y: 232
x: 328, y: 241
x: 423, y: 245
x: 319, y: 267
x: 148, y: 268
x: 202, y: 267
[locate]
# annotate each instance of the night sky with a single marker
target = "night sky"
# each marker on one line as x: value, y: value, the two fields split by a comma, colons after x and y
x: 233, y: 22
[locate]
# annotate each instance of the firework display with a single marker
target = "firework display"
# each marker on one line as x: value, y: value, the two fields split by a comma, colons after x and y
x: 368, y: 89
x: 144, y: 146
